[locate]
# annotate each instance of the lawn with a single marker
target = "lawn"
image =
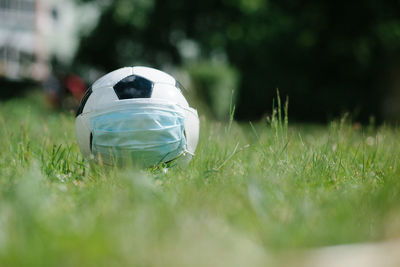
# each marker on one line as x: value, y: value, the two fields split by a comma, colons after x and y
x: 253, y: 192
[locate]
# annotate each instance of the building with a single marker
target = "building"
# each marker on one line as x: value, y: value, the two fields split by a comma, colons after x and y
x: 34, y: 31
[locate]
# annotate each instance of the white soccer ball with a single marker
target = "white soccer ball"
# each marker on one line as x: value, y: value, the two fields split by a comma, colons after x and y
x: 135, y: 92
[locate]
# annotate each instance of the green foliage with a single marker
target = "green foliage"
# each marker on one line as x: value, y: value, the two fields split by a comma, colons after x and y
x: 123, y: 10
x: 330, y: 56
x: 251, y: 193
x: 216, y: 84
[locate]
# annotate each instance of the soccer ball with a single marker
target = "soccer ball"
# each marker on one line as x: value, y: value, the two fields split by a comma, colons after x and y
x: 132, y: 111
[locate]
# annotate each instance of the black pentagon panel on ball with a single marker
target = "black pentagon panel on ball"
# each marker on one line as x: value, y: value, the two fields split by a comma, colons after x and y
x: 83, y: 101
x: 133, y: 86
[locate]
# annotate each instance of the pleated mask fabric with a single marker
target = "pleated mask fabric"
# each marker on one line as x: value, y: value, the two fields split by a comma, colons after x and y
x: 144, y: 131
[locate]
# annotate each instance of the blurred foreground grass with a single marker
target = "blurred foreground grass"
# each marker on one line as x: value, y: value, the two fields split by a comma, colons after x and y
x: 251, y: 193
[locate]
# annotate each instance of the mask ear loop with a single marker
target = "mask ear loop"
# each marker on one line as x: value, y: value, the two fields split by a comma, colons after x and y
x: 183, y: 154
x: 187, y: 152
x: 176, y: 161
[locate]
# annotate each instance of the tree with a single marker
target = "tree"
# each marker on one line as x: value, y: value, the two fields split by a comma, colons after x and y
x: 328, y: 57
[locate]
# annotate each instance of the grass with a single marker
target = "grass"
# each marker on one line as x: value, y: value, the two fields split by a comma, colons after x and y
x: 253, y: 192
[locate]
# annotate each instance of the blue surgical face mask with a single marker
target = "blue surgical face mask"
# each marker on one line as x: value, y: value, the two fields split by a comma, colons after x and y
x: 146, y: 131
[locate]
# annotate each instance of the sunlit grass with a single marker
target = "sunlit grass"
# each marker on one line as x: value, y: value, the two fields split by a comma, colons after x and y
x: 253, y: 190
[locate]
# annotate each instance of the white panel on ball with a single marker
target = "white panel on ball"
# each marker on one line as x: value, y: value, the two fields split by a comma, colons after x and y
x: 110, y: 79
x: 100, y: 97
x: 170, y: 93
x: 154, y: 75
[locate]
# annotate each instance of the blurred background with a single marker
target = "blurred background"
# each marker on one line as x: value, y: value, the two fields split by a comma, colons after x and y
x: 328, y: 57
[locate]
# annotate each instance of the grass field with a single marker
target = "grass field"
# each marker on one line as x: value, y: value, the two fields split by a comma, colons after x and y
x: 252, y: 193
